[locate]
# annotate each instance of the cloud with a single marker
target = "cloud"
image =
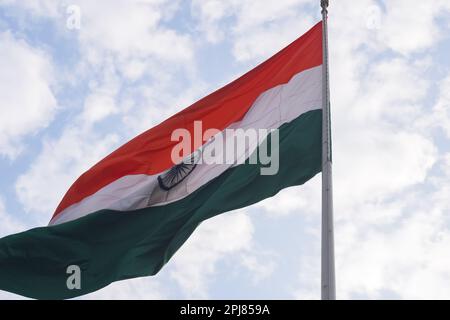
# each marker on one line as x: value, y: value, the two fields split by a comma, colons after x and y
x: 101, y: 101
x: 210, y: 14
x: 108, y: 28
x: 139, y: 288
x: 60, y: 162
x: 407, y: 257
x: 304, y: 200
x: 401, y: 19
x: 9, y: 224
x: 263, y: 28
x: 47, y: 8
x: 265, y: 40
x: 27, y: 103
x: 260, y: 264
x: 441, y: 111
x: 256, y: 28
x: 194, y: 265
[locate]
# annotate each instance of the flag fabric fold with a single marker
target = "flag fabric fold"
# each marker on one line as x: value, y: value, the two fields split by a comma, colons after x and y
x: 128, y: 215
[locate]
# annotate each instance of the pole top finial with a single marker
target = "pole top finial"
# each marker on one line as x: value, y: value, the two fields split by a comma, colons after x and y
x: 324, y: 4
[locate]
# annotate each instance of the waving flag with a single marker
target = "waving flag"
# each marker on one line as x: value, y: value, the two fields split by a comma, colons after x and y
x: 127, y: 215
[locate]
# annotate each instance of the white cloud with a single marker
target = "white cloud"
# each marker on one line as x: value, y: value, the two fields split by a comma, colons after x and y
x: 61, y: 161
x: 265, y: 40
x: 139, y: 288
x: 392, y: 88
x: 441, y: 111
x: 408, y: 257
x: 303, y: 200
x: 374, y: 165
x: 101, y: 101
x: 99, y: 104
x: 9, y: 224
x: 263, y: 28
x: 261, y: 267
x: 403, y: 18
x: 47, y: 8
x: 194, y: 264
x: 4, y: 295
x: 131, y: 29
x: 134, y: 69
x: 209, y: 14
x: 256, y: 28
x: 27, y: 103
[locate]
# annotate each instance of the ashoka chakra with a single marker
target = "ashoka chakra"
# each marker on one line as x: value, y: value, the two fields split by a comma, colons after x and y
x: 178, y: 172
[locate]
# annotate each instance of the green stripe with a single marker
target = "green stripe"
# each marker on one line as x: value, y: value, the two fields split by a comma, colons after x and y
x: 110, y: 246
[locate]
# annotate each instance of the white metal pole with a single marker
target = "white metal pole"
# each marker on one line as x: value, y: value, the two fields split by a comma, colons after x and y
x: 328, y: 287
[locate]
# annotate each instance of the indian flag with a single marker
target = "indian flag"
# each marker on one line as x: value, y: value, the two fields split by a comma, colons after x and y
x: 128, y: 215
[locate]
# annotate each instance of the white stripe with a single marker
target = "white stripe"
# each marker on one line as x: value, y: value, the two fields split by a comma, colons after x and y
x: 270, y: 110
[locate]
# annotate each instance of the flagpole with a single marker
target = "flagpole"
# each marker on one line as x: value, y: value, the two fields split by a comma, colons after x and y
x: 328, y: 286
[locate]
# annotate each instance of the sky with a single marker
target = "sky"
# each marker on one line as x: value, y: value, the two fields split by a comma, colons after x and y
x: 73, y: 90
